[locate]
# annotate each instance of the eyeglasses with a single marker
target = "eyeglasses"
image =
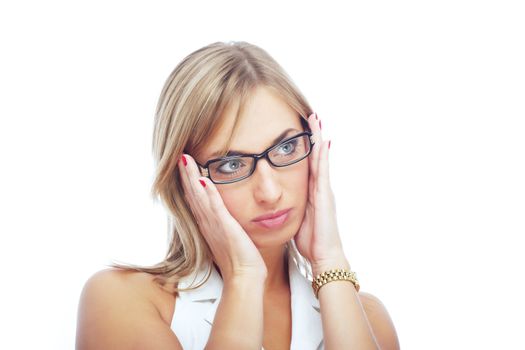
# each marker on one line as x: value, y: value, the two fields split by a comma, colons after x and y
x: 238, y: 167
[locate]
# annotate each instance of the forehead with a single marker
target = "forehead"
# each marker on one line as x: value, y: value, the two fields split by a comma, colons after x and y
x: 264, y: 118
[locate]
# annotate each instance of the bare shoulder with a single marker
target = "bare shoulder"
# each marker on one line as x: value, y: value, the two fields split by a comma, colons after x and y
x: 123, y: 310
x: 380, y: 321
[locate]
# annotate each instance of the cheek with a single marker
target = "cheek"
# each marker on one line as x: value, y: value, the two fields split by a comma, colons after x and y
x: 305, y: 170
x: 297, y: 191
x: 299, y: 187
x: 232, y: 201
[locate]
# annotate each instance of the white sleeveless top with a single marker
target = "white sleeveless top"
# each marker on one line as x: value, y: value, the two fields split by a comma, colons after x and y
x: 195, y: 310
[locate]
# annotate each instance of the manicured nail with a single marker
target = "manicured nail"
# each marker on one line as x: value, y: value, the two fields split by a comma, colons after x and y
x: 202, y: 183
x: 329, y: 142
x: 184, y: 160
x: 320, y: 124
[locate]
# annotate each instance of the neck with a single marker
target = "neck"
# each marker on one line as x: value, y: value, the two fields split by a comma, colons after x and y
x: 276, y: 261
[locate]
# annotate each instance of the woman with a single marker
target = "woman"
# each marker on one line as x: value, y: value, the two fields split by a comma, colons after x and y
x: 242, y: 168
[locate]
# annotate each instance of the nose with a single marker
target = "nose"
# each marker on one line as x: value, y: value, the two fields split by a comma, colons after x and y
x: 268, y: 190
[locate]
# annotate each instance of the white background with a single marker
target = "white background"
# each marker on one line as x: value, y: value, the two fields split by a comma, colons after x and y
x: 423, y: 101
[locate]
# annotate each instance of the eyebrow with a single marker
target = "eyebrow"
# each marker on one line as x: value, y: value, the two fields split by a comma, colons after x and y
x: 279, y: 138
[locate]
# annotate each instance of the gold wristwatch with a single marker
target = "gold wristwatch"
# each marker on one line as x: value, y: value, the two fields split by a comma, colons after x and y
x: 334, y: 275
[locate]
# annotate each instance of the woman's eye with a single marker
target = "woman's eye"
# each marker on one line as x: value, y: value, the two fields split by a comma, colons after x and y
x: 230, y: 166
x: 289, y: 146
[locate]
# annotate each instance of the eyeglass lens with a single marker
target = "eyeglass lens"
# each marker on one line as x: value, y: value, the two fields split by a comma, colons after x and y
x: 239, y: 167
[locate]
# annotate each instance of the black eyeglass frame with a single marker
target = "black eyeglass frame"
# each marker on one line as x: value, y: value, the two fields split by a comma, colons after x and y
x: 205, y: 172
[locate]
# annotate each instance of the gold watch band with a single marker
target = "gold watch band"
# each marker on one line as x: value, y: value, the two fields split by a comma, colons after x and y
x: 334, y: 275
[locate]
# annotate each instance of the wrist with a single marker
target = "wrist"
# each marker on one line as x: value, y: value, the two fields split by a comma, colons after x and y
x: 338, y: 261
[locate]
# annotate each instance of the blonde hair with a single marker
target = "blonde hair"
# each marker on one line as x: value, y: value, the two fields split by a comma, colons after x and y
x: 188, y: 112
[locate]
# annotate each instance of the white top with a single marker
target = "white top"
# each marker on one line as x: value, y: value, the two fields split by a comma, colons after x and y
x: 195, y: 311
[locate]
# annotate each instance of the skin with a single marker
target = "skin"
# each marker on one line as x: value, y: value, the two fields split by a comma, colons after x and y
x: 244, y: 251
x: 129, y: 310
x: 268, y: 189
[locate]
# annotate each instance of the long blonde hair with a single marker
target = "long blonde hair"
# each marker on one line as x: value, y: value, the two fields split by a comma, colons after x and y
x: 188, y: 112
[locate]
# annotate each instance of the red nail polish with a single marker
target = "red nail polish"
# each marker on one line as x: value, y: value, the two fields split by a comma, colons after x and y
x: 184, y: 160
x: 320, y: 124
x: 202, y: 183
x: 329, y: 142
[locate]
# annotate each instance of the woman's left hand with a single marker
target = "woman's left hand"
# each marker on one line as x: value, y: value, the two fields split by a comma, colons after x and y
x: 318, y: 236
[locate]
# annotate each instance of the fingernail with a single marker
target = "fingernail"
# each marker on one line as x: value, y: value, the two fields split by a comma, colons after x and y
x: 184, y: 160
x: 320, y: 124
x: 329, y: 142
x: 202, y: 183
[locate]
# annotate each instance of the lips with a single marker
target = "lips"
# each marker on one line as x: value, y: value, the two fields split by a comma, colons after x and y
x: 271, y: 215
x: 273, y: 220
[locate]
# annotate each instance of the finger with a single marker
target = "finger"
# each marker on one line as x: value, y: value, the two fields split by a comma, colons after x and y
x: 185, y: 178
x: 194, y: 175
x: 313, y: 123
x: 194, y: 192
x: 216, y: 201
x: 323, y: 178
x: 219, y: 214
x: 207, y: 189
x: 315, y: 127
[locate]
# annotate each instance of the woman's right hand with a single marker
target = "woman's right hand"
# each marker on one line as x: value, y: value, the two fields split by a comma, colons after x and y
x: 233, y: 250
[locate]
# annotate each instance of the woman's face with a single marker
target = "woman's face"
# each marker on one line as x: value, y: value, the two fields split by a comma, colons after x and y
x: 269, y: 189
